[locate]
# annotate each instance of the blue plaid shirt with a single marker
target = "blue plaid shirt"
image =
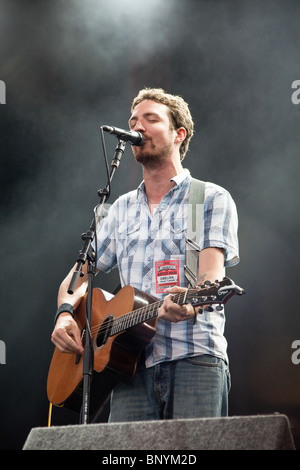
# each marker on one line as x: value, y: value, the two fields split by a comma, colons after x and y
x: 136, y: 242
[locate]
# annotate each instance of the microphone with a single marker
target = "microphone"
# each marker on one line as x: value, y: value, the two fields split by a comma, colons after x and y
x: 133, y: 137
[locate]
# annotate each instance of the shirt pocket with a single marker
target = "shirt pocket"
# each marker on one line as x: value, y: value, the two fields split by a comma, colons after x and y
x: 173, y: 237
x: 128, y: 238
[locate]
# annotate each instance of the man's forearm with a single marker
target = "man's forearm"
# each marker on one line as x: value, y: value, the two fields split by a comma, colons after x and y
x: 75, y: 298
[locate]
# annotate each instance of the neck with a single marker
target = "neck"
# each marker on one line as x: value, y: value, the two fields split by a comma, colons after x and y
x: 157, y: 181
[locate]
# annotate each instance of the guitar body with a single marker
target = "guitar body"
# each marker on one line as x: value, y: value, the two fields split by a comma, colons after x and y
x: 115, y: 356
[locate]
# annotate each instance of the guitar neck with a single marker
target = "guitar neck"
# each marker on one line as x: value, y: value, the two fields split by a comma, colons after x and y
x: 215, y: 293
x: 142, y: 314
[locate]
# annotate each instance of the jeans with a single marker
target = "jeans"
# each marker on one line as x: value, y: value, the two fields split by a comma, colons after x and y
x: 195, y: 387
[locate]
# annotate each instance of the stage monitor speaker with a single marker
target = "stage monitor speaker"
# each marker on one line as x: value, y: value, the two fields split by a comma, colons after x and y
x: 262, y: 432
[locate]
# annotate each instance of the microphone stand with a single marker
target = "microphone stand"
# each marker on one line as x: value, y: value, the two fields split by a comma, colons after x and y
x: 87, y: 254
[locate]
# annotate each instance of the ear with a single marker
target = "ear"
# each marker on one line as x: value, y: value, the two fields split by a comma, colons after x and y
x: 180, y: 134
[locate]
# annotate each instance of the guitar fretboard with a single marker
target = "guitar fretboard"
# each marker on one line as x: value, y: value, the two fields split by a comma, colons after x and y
x: 142, y: 314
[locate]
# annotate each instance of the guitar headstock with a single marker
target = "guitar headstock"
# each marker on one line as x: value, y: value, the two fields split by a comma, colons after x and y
x: 218, y: 292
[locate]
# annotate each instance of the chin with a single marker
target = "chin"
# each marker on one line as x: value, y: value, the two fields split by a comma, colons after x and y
x: 146, y: 158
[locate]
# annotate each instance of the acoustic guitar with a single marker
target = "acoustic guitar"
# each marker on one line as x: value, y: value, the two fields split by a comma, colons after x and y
x: 120, y: 329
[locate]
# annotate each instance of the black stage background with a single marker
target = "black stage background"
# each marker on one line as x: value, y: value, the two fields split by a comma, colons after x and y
x: 70, y: 67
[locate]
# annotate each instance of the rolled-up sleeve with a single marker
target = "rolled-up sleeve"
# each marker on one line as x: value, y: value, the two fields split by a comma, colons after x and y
x: 221, y: 223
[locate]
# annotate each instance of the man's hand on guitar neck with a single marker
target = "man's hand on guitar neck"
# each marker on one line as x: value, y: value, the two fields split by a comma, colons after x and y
x: 174, y: 312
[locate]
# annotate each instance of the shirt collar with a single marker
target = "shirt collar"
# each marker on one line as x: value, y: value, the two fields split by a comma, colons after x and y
x: 178, y: 179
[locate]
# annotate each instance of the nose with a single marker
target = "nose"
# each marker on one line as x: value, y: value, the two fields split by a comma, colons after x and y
x: 139, y: 126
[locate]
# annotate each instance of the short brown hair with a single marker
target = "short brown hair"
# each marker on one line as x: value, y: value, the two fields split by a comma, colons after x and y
x: 179, y: 112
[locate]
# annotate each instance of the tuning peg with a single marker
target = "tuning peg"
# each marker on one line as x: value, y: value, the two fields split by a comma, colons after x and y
x: 207, y: 283
x: 209, y: 309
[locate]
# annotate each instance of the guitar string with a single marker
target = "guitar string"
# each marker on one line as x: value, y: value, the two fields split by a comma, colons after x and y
x: 118, y: 324
x: 125, y: 321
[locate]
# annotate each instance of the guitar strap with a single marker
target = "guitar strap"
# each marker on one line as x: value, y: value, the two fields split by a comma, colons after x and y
x: 194, y: 225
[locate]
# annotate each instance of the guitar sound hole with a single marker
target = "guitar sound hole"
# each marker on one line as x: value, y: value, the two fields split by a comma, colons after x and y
x: 104, y: 331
